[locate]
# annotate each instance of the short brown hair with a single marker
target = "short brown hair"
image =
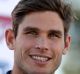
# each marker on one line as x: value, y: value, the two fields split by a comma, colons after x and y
x: 24, y: 7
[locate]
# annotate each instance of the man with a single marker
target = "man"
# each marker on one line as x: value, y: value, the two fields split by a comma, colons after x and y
x: 39, y: 36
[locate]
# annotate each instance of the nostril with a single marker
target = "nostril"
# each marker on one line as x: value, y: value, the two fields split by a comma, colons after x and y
x: 37, y: 47
x: 41, y: 48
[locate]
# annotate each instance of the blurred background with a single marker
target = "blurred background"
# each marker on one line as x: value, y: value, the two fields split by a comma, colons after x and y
x: 71, y: 61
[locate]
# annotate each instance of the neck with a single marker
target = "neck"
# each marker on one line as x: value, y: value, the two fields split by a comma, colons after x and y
x: 16, y: 70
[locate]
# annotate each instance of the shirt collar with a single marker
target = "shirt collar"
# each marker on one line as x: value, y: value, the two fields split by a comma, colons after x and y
x: 9, y: 72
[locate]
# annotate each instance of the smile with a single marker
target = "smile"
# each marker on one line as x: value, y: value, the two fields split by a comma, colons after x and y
x: 40, y: 58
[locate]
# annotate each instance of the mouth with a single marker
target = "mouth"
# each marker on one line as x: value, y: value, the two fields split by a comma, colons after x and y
x: 40, y: 58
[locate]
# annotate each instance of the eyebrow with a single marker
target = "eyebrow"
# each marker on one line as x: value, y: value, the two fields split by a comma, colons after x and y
x: 30, y: 29
x: 56, y: 32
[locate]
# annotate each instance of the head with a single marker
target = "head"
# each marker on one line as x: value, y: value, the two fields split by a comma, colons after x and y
x: 39, y: 36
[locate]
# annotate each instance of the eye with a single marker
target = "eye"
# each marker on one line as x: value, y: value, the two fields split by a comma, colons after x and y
x: 33, y: 33
x: 54, y: 35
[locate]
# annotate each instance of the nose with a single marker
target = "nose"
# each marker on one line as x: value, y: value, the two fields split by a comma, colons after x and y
x: 42, y: 43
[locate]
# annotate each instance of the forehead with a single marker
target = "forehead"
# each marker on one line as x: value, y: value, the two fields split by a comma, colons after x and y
x: 43, y: 20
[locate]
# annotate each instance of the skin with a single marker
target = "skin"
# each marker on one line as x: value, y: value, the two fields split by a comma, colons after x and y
x: 40, y: 34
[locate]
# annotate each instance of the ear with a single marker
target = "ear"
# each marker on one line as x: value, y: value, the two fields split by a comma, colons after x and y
x: 10, y: 39
x: 67, y: 44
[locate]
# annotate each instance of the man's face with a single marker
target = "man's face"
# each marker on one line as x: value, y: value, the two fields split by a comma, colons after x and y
x: 39, y: 43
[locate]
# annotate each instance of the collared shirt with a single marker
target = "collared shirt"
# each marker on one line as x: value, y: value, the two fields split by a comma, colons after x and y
x: 9, y: 72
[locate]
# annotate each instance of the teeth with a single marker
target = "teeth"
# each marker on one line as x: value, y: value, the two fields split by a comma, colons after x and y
x: 39, y: 58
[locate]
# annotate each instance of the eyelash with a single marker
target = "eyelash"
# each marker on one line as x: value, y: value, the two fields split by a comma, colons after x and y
x: 54, y: 35
x: 32, y: 33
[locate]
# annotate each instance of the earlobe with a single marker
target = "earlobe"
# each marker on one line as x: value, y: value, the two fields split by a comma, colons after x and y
x: 67, y: 44
x: 9, y: 35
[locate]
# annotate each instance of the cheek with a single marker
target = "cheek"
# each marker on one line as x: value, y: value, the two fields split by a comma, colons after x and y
x: 57, y: 47
x: 27, y: 43
x: 22, y: 48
